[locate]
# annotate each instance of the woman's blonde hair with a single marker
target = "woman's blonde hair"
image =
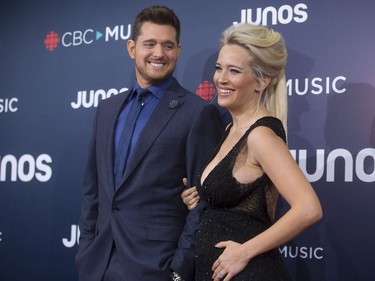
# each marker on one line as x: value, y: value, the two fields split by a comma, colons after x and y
x: 268, y: 51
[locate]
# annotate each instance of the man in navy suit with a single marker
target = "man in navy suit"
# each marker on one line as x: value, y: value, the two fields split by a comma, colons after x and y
x: 139, y: 229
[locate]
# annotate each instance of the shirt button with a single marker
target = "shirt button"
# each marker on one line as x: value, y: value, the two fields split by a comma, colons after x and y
x: 115, y: 209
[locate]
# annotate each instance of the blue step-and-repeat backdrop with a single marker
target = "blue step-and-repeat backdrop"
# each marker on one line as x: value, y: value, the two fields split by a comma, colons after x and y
x: 59, y: 59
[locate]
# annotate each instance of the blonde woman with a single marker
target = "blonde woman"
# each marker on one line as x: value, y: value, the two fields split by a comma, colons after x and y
x: 238, y: 237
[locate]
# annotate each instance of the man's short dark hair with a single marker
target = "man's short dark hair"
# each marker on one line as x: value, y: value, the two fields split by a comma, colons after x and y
x: 156, y: 14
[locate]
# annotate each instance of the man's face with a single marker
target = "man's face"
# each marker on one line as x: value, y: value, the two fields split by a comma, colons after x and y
x: 155, y: 53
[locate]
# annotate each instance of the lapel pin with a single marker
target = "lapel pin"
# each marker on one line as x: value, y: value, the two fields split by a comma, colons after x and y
x: 173, y: 104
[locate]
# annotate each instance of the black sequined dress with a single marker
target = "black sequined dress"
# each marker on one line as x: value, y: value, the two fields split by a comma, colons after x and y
x: 237, y: 212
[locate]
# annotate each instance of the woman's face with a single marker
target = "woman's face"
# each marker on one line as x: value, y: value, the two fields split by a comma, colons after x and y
x: 235, y: 81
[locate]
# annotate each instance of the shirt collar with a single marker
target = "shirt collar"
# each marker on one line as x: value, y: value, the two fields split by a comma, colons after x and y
x: 158, y: 89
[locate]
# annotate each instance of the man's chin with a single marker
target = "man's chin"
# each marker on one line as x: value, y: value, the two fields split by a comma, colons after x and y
x: 159, y: 78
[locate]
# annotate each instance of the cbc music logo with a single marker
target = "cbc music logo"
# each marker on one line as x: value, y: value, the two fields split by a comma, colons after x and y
x: 206, y: 90
x: 271, y: 15
x: 52, y: 40
x: 300, y: 87
x: 316, y: 85
x: 301, y: 252
x: 8, y: 105
x: 86, y: 37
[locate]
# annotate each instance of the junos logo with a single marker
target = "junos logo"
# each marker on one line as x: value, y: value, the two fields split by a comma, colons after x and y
x: 272, y: 15
x: 88, y: 99
x: 86, y: 37
x: 8, y: 105
x: 364, y: 170
x: 74, y: 237
x: 26, y: 168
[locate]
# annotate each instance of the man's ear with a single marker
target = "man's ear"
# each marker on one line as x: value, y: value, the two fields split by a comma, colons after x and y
x: 131, y: 48
x: 178, y: 50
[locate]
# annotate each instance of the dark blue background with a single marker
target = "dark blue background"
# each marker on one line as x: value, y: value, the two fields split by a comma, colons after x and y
x: 337, y: 39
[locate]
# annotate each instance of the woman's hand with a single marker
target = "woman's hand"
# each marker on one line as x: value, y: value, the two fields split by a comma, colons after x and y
x: 232, y: 261
x: 190, y: 196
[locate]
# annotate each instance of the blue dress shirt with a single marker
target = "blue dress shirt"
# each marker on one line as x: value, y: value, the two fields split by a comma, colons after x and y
x: 150, y: 102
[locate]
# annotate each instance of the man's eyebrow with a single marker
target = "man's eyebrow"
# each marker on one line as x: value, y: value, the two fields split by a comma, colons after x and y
x: 163, y: 42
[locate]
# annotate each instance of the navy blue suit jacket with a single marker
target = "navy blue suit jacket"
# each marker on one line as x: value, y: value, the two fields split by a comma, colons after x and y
x: 145, y: 218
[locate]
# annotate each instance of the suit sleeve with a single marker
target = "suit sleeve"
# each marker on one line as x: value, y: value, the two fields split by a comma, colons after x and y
x: 89, y: 209
x: 205, y: 134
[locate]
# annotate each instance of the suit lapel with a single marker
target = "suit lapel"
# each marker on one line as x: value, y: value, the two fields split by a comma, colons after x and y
x: 112, y: 113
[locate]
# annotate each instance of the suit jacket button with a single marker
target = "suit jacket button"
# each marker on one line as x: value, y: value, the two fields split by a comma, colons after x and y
x: 115, y: 209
